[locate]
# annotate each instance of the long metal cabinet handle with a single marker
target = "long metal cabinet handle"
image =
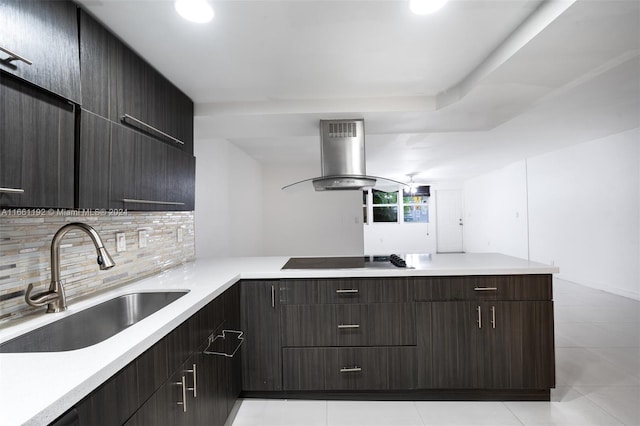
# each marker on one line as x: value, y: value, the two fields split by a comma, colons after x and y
x: 350, y: 369
x: 273, y: 297
x: 183, y: 383
x: 486, y: 288
x: 12, y: 190
x: 348, y: 325
x: 14, y: 57
x: 133, y: 200
x: 493, y: 316
x: 127, y: 117
x: 479, y: 321
x: 347, y: 290
x: 195, y: 384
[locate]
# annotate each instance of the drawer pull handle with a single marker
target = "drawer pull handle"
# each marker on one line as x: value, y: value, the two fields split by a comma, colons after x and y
x: 183, y: 383
x: 126, y: 118
x: 479, y: 320
x: 486, y: 288
x: 341, y: 326
x: 14, y: 57
x: 493, y: 316
x: 195, y: 385
x: 170, y: 203
x: 347, y: 291
x: 350, y: 369
x: 12, y: 190
x: 273, y: 297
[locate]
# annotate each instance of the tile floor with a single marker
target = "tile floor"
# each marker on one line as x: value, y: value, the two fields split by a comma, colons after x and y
x: 597, y: 369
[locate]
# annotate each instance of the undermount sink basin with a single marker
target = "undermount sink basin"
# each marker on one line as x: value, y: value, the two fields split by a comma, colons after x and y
x: 92, y: 325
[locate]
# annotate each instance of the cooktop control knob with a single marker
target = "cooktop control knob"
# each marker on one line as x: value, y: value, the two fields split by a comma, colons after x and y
x: 397, y: 261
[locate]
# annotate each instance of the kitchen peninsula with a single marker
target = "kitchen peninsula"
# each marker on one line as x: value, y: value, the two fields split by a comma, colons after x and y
x: 458, y: 326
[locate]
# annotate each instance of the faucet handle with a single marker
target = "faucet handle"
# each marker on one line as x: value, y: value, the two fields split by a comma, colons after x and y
x: 39, y: 299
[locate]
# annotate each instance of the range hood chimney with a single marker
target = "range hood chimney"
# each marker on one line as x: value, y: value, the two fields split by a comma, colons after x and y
x: 342, y: 153
x: 342, y: 156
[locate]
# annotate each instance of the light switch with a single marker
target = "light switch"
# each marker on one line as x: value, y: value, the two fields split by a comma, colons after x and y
x: 142, y: 239
x: 121, y: 242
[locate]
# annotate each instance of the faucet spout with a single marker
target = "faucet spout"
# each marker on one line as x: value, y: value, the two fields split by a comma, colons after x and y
x: 55, y: 298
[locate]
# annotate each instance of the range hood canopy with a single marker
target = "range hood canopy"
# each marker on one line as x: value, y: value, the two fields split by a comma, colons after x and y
x: 342, y: 156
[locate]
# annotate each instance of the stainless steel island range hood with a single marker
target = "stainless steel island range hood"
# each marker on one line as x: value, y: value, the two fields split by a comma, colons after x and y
x: 342, y: 153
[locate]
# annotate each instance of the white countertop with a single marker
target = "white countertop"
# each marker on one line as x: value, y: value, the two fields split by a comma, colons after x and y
x: 35, y: 388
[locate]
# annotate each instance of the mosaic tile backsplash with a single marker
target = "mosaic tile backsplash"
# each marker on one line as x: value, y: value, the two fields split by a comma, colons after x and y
x: 25, y: 252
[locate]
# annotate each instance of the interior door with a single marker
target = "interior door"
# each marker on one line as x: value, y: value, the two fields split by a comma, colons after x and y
x: 449, y: 223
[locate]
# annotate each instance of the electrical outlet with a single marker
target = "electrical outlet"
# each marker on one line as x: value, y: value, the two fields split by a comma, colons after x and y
x: 179, y: 234
x: 121, y: 242
x: 142, y: 239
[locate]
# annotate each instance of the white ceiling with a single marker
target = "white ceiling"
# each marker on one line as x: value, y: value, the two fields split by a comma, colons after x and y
x: 476, y: 86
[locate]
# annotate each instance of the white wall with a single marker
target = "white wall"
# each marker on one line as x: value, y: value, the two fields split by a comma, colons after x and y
x: 228, y: 215
x: 583, y: 212
x: 496, y: 212
x: 387, y: 238
x: 302, y: 222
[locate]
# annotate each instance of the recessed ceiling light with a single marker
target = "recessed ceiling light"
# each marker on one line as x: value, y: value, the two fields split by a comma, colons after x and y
x: 425, y: 7
x: 199, y: 11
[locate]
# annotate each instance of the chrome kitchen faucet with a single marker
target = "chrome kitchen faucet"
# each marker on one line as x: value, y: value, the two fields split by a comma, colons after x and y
x: 55, y: 298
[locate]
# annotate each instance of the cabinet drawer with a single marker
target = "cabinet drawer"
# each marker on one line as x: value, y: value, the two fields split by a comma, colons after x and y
x: 352, y: 290
x: 483, y: 287
x: 348, y: 325
x: 373, y: 368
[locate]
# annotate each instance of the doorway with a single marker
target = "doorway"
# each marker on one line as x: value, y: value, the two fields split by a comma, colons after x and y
x: 449, y: 224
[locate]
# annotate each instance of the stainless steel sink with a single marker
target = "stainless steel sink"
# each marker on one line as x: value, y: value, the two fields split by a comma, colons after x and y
x: 92, y: 325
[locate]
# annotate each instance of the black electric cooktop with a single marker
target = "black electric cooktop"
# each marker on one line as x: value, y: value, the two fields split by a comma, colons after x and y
x: 342, y: 262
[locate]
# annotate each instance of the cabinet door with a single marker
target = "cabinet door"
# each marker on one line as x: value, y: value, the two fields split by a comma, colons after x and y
x: 94, y: 152
x: 138, y: 169
x: 492, y: 345
x: 170, y: 405
x: 96, y: 68
x: 181, y: 179
x: 36, y: 147
x: 520, y: 351
x: 45, y: 33
x: 137, y: 90
x: 259, y: 316
x: 113, y: 402
x: 458, y: 345
x: 209, y: 404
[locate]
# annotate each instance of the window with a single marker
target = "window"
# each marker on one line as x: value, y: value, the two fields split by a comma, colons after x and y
x: 416, y: 208
x: 383, y: 207
x: 416, y: 204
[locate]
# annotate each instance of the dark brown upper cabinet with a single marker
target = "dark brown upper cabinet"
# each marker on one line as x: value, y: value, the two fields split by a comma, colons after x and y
x: 121, y: 86
x: 39, y: 44
x: 36, y: 147
x: 120, y: 168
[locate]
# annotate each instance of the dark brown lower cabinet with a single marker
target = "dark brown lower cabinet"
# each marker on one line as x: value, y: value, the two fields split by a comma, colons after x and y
x: 193, y: 395
x: 491, y: 345
x: 176, y: 381
x: 261, y: 351
x: 476, y: 337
